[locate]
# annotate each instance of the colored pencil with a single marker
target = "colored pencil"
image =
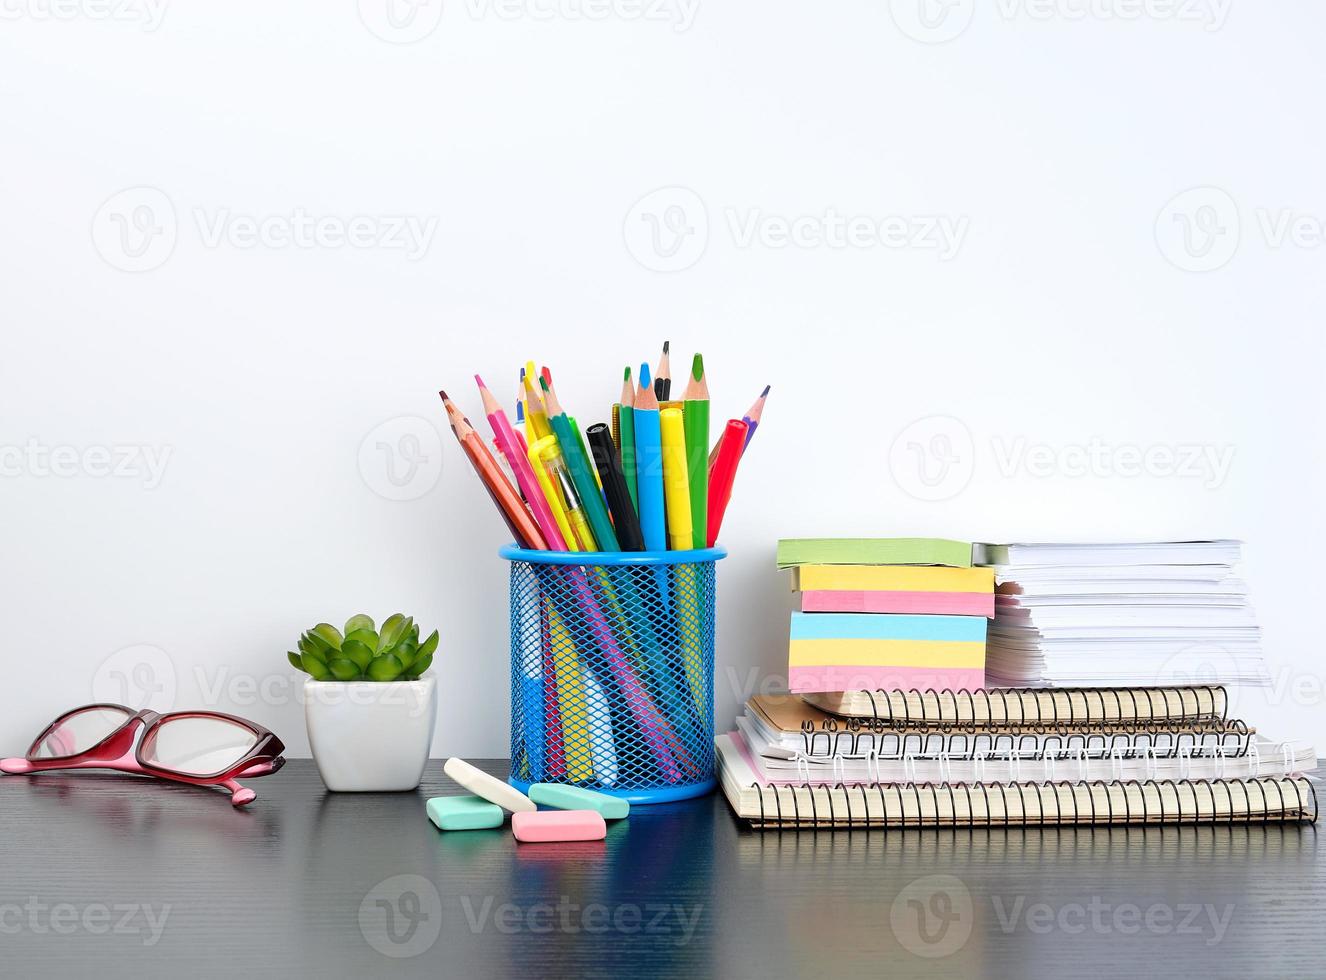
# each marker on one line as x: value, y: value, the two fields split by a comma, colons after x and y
x: 676, y: 482
x: 624, y: 519
x: 626, y: 444
x: 519, y: 424
x: 663, y: 376
x: 519, y: 462
x: 512, y: 508
x: 696, y: 419
x: 649, y: 464
x: 752, y: 416
x: 582, y: 475
x: 724, y: 474
x: 535, y: 416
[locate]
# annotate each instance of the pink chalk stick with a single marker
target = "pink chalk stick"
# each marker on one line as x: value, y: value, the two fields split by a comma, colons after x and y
x: 913, y: 603
x: 558, y: 825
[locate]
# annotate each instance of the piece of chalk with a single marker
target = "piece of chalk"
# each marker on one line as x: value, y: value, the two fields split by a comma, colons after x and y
x: 558, y: 825
x: 464, y: 813
x: 576, y: 798
x: 489, y: 787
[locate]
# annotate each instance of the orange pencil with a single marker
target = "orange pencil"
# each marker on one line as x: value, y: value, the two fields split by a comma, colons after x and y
x: 512, y: 508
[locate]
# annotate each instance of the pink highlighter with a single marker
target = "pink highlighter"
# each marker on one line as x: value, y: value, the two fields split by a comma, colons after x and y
x: 558, y: 825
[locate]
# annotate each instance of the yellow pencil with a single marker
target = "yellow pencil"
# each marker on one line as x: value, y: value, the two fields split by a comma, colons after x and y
x: 536, y: 419
x: 676, y: 481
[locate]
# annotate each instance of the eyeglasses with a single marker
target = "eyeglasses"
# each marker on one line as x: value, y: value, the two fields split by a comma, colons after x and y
x: 204, y: 748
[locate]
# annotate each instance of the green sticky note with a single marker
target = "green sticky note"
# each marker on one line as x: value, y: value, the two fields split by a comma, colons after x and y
x: 464, y: 813
x: 574, y: 798
x: 873, y: 551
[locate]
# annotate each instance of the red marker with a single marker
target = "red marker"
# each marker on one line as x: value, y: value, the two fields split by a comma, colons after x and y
x: 724, y: 473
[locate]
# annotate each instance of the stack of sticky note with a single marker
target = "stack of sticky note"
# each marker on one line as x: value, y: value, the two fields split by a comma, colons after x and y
x: 890, y: 613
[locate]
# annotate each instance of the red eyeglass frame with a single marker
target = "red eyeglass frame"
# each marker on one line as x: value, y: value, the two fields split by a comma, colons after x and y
x: 118, y: 751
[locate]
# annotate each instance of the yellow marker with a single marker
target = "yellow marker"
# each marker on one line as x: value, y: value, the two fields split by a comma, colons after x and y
x: 538, y: 453
x: 676, y: 482
x: 535, y: 417
x: 576, y: 514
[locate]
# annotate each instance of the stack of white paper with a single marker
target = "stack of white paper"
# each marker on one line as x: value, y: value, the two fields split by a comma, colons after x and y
x: 1121, y: 614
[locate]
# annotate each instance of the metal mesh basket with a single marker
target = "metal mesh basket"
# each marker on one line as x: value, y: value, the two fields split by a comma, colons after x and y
x: 612, y: 671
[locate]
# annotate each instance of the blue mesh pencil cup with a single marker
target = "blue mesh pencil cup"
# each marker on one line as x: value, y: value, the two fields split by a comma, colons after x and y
x: 612, y: 671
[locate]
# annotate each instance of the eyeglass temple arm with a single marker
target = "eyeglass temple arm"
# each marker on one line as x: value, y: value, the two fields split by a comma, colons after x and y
x: 239, y: 795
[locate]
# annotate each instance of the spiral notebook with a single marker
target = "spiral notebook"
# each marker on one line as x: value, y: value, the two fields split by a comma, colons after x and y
x: 1031, y: 706
x: 1121, y: 755
x: 789, y: 727
x: 768, y: 806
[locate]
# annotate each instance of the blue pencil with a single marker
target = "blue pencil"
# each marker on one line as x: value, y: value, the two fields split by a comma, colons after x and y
x: 649, y: 465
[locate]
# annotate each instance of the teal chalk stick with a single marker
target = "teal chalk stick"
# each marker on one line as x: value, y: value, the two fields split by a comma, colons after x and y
x: 574, y: 798
x: 464, y: 813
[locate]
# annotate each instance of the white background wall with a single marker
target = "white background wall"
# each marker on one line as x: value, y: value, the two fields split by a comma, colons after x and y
x: 1067, y: 310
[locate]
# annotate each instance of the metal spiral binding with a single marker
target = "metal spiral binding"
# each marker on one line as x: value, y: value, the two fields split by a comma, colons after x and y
x: 1163, y: 702
x: 993, y: 804
x: 1104, y: 739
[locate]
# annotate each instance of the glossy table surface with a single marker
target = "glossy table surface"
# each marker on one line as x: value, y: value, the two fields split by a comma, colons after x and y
x: 109, y: 876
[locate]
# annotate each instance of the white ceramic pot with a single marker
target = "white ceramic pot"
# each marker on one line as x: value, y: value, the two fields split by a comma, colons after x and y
x: 369, y: 737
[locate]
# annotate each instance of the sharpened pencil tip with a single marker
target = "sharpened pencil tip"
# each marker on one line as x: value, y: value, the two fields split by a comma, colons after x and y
x: 765, y: 393
x: 697, y: 367
x: 644, y: 375
x: 543, y: 382
x: 479, y: 381
x: 666, y: 345
x: 626, y: 376
x: 443, y: 396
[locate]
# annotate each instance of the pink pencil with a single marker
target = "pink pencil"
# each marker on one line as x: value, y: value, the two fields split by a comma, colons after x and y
x: 529, y: 486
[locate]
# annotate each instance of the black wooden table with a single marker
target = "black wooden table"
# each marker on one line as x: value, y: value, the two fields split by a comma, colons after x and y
x: 111, y: 876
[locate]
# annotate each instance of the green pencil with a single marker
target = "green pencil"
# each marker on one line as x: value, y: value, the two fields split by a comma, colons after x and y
x: 696, y: 421
x: 626, y: 443
x: 582, y: 473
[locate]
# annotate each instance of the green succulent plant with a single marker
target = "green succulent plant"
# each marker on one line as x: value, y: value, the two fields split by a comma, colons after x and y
x: 363, y: 653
